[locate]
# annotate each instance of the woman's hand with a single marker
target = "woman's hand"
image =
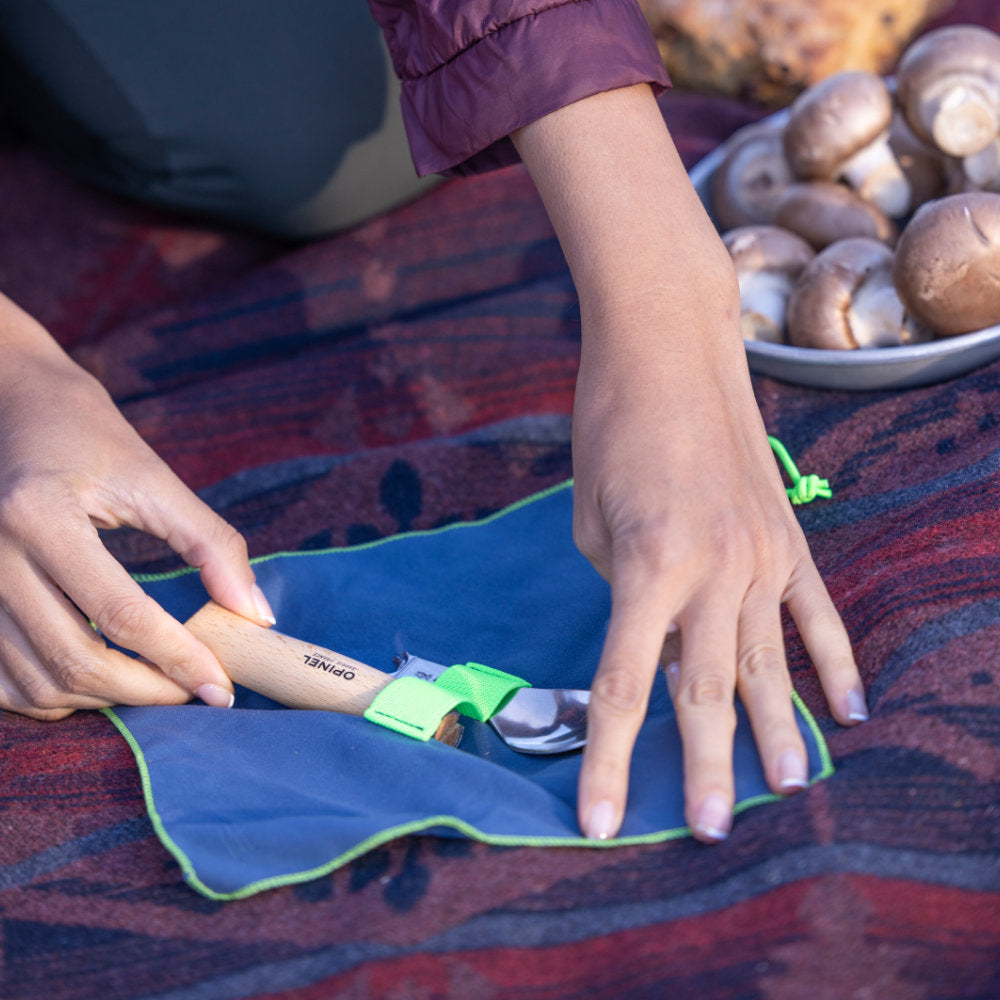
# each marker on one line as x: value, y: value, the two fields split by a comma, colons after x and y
x: 680, y: 506
x: 678, y: 500
x: 70, y: 464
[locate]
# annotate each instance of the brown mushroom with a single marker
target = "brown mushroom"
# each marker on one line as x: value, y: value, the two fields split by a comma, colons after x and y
x: 947, y: 268
x: 948, y: 86
x: 845, y: 299
x: 980, y: 171
x: 750, y: 177
x: 823, y: 212
x: 839, y: 129
x: 768, y: 261
x: 926, y: 168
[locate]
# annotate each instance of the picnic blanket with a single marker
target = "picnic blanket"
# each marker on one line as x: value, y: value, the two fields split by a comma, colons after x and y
x: 417, y: 372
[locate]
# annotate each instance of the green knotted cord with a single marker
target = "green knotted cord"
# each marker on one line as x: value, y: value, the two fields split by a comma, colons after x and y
x: 804, y: 489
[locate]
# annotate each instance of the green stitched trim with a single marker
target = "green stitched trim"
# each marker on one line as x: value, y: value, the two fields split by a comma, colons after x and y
x: 334, y: 550
x: 804, y: 489
x: 821, y: 748
x: 814, y: 487
x: 428, y: 825
x: 187, y: 868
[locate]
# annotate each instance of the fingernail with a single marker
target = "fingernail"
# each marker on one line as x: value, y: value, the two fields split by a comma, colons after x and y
x: 673, y: 672
x: 217, y: 697
x: 601, y: 822
x: 714, y: 817
x: 792, y: 773
x: 857, y: 710
x: 262, y: 606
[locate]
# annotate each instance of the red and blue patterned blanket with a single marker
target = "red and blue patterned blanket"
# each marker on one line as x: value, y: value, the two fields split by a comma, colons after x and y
x: 418, y: 371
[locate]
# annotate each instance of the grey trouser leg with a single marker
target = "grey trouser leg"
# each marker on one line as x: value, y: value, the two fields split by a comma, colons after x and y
x: 281, y: 115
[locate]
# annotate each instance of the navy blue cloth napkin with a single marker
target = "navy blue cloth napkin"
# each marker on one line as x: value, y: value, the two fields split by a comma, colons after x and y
x: 260, y: 796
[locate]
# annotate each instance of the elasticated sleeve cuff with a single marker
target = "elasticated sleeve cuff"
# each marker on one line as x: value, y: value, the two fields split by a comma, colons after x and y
x: 461, y: 104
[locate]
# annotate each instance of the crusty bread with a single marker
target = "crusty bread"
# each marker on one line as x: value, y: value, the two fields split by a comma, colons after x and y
x: 769, y: 50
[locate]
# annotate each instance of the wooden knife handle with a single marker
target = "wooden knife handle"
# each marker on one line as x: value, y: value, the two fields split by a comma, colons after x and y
x: 293, y: 672
x: 289, y: 671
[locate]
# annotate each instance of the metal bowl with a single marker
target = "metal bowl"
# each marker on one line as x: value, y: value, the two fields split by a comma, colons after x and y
x: 866, y: 368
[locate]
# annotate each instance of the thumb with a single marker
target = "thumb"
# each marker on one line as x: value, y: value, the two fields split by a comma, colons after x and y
x: 213, y: 546
x: 230, y: 581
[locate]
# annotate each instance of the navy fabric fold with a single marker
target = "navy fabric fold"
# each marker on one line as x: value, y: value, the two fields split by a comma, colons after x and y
x: 260, y: 796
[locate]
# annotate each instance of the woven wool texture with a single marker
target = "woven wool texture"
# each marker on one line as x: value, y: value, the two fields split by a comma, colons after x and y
x: 419, y: 370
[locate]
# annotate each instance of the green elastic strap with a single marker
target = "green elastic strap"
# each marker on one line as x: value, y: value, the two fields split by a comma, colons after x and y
x: 484, y: 687
x: 415, y: 707
x: 804, y: 489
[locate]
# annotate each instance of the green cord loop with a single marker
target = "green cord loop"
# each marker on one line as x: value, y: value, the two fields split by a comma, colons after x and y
x: 804, y: 489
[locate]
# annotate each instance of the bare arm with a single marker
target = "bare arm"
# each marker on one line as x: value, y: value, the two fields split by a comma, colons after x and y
x: 679, y: 503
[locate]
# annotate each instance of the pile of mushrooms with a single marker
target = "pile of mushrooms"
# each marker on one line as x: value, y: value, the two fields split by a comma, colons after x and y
x: 871, y: 216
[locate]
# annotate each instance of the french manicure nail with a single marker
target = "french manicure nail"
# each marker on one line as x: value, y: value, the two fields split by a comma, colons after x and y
x: 714, y: 817
x: 217, y: 697
x: 792, y: 774
x: 857, y: 710
x: 601, y: 823
x: 262, y: 605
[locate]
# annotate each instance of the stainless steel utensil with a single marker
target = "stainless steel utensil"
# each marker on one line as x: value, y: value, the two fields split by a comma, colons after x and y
x: 535, y: 720
x: 300, y: 674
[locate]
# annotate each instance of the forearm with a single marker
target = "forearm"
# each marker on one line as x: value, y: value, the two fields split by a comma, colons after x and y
x: 450, y: 53
x: 645, y: 257
x: 20, y: 332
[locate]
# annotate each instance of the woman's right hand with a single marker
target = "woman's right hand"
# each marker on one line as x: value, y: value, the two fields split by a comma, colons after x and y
x: 71, y: 464
x: 664, y: 397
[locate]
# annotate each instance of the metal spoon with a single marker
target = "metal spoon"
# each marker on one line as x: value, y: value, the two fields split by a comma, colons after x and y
x: 300, y: 674
x: 535, y: 720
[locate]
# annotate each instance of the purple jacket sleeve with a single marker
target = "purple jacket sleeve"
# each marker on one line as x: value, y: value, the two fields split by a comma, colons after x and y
x: 473, y: 71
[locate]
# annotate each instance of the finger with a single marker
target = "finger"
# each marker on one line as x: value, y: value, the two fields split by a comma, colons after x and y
x: 66, y: 666
x: 590, y: 532
x: 828, y: 644
x: 19, y: 684
x: 706, y: 717
x: 97, y: 584
x: 618, y: 700
x: 765, y: 689
x: 207, y: 542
